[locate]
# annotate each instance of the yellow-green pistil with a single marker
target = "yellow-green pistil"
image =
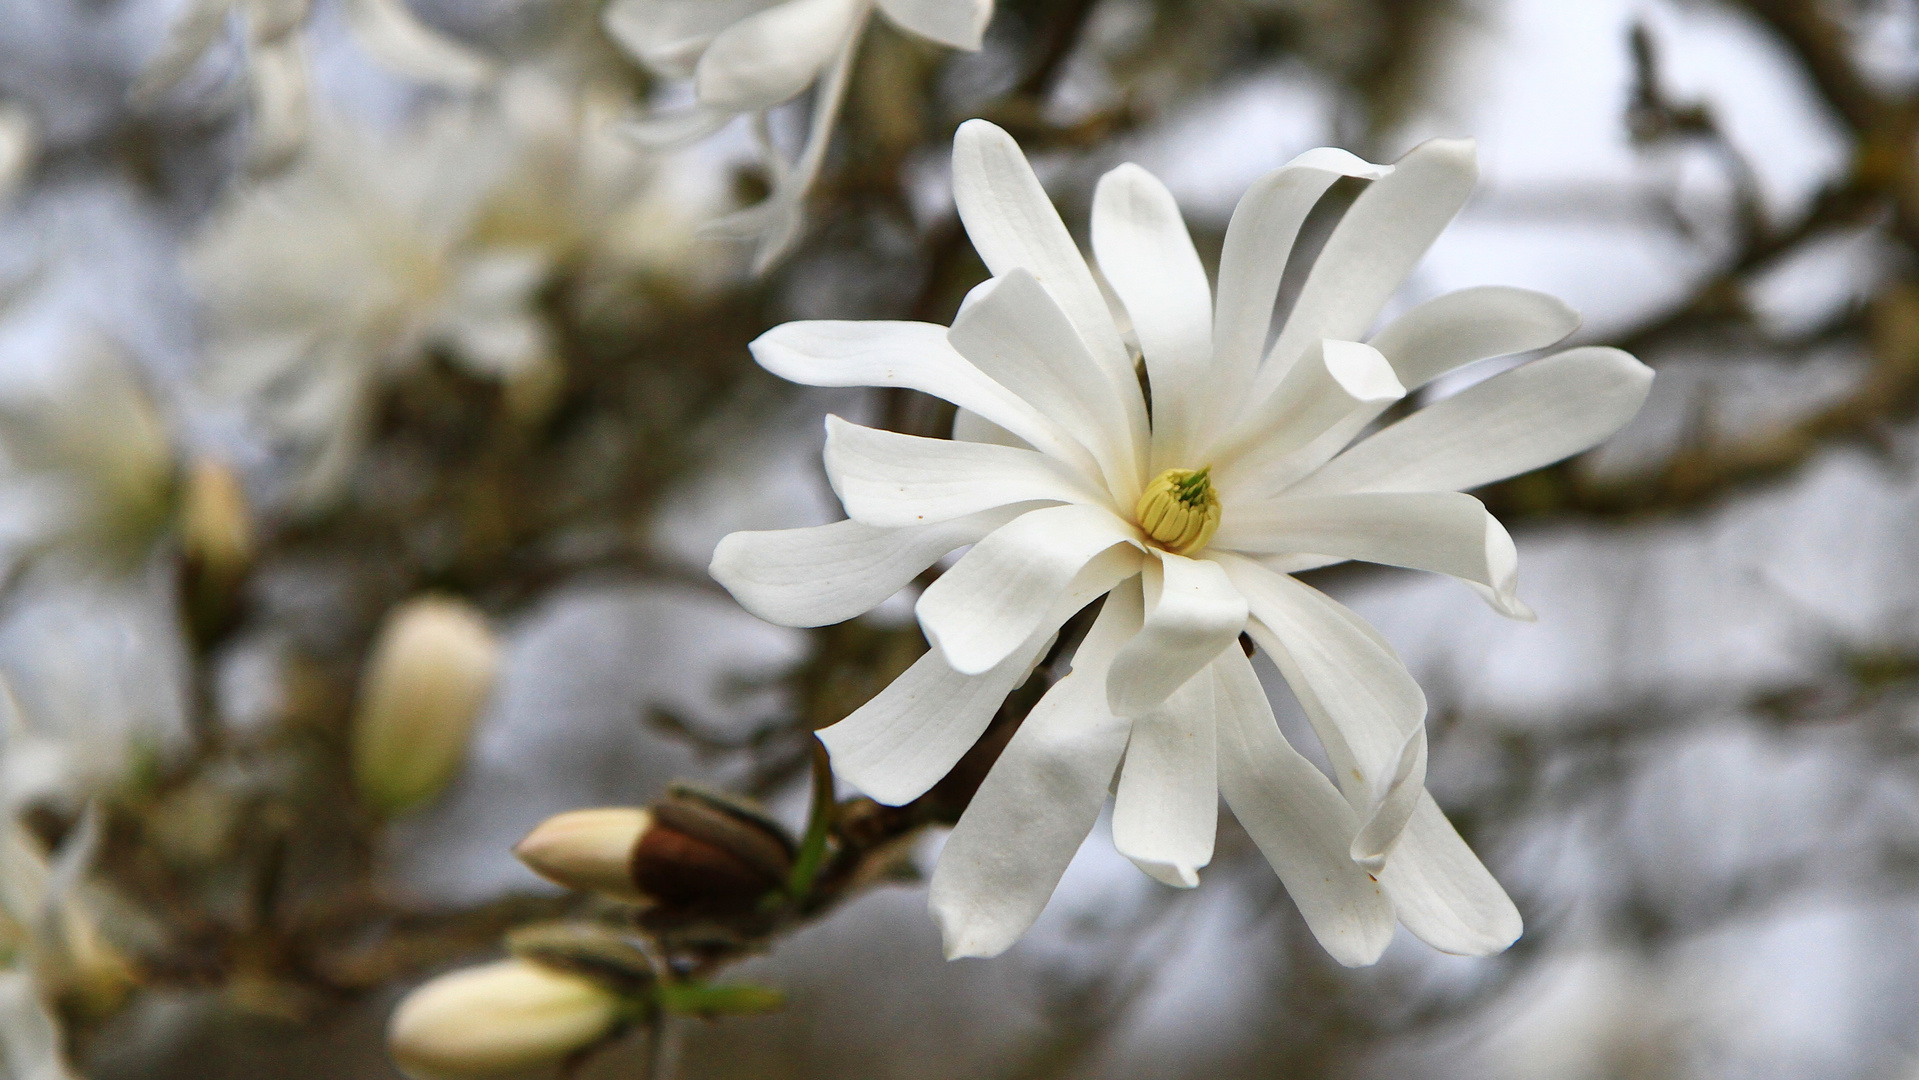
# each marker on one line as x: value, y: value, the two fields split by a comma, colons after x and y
x: 1180, y: 509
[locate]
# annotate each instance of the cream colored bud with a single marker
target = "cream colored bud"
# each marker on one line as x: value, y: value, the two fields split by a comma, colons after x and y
x: 430, y: 673
x: 216, y: 528
x: 590, y: 850
x: 497, y: 1018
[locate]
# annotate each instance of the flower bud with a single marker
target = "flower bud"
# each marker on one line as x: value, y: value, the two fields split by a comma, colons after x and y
x: 497, y: 1018
x: 216, y: 540
x: 590, y: 850
x: 431, y: 670
x: 691, y: 850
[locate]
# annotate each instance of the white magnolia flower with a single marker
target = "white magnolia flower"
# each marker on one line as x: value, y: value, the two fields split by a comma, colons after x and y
x: 276, y: 67
x: 1189, y: 516
x: 88, y: 462
x: 348, y: 268
x: 746, y: 56
x: 18, y: 141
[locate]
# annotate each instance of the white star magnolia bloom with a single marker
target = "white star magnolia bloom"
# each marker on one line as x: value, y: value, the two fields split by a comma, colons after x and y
x: 276, y: 66
x: 746, y: 56
x: 1189, y: 517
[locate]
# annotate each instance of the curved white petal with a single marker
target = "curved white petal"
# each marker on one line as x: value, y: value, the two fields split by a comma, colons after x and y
x: 1013, y: 224
x: 1511, y: 423
x: 668, y: 36
x: 1166, y: 811
x: 1324, y: 402
x: 891, y: 480
x: 978, y: 612
x: 396, y: 38
x: 1445, y: 532
x: 912, y: 355
x: 910, y: 734
x: 1015, y: 333
x: 1148, y: 258
x: 1298, y: 818
x: 192, y: 31
x: 766, y: 58
x: 1192, y: 612
x: 1372, y: 249
x: 1005, y: 857
x: 1443, y: 893
x: 277, y: 89
x: 1362, y: 702
x: 1395, y: 795
x: 1258, y: 240
x: 1460, y: 327
x: 668, y: 130
x: 830, y: 573
x: 954, y: 23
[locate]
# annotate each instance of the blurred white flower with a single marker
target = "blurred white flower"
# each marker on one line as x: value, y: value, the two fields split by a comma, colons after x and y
x: 89, y: 463
x: 18, y: 141
x: 276, y: 67
x: 746, y: 56
x: 349, y: 267
x: 1189, y: 515
x: 50, y: 943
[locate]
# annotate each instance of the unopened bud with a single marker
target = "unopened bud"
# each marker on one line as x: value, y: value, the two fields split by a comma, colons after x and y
x: 590, y: 850
x: 691, y: 850
x: 430, y: 673
x: 216, y: 539
x: 498, y: 1018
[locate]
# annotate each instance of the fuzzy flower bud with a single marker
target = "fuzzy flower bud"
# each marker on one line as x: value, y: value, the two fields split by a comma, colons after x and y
x: 497, y: 1018
x: 430, y: 673
x: 690, y: 850
x: 216, y: 540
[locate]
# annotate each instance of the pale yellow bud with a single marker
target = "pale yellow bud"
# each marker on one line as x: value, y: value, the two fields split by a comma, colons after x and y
x: 591, y: 850
x: 430, y: 673
x: 216, y: 529
x: 497, y: 1018
x: 1180, y: 509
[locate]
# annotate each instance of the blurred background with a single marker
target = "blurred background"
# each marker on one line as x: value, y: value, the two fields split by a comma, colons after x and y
x: 331, y: 321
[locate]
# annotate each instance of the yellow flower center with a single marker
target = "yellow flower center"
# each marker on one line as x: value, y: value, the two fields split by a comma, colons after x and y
x: 1180, y: 509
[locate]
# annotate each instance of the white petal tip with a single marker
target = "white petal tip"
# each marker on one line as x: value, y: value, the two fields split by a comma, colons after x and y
x: 1370, y: 861
x: 1179, y: 877
x: 961, y: 938
x: 1362, y: 372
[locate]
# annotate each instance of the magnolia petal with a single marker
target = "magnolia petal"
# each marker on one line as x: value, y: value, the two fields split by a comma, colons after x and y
x: 1013, y: 224
x: 1005, y: 857
x: 784, y: 210
x: 29, y: 1032
x: 1461, y: 327
x: 891, y: 480
x: 1298, y: 818
x: 830, y: 573
x: 1258, y: 239
x: 665, y: 131
x: 277, y: 87
x: 1014, y: 332
x: 1512, y: 423
x: 668, y: 36
x: 907, y: 354
x: 1443, y: 893
x: 958, y: 24
x: 910, y: 734
x: 979, y: 611
x: 1444, y: 532
x: 1361, y: 700
x: 392, y: 35
x: 771, y: 56
x: 969, y: 426
x: 1148, y: 258
x: 1372, y: 249
x: 1394, y: 798
x: 1192, y: 613
x: 192, y: 32
x: 1166, y: 812
x: 1323, y: 403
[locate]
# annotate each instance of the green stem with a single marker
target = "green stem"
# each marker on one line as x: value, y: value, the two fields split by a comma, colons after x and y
x: 812, y: 856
